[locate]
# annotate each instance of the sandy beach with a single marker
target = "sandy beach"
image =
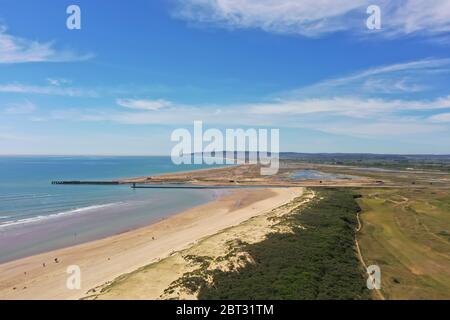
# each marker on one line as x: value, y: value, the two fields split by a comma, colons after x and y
x: 101, y: 261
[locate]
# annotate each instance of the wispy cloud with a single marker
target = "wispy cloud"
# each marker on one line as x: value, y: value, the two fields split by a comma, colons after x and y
x: 379, y: 125
x: 307, y: 17
x: 384, y: 129
x: 348, y: 106
x: 440, y: 118
x: 391, y: 86
x: 406, y: 17
x: 326, y: 106
x: 142, y: 104
x: 314, y: 18
x: 15, y: 49
x: 46, y: 90
x: 25, y: 107
x: 58, y: 81
x: 369, y: 99
x: 395, y: 79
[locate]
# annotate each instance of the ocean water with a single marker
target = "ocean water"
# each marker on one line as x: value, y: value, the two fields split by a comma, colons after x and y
x: 36, y: 216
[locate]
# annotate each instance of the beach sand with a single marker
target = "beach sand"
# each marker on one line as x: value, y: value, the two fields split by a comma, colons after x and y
x: 220, y: 251
x: 104, y: 260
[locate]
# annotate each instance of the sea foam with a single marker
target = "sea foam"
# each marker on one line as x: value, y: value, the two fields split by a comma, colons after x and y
x: 40, y: 218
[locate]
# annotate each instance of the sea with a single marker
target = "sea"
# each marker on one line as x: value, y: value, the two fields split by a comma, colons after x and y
x: 36, y: 216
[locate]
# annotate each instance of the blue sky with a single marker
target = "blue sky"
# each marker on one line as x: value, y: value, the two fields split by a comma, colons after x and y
x: 139, y: 69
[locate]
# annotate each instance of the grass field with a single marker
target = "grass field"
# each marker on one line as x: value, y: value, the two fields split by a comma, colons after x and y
x: 407, y: 233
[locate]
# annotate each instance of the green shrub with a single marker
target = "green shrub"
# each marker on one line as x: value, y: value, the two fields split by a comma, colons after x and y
x: 318, y: 262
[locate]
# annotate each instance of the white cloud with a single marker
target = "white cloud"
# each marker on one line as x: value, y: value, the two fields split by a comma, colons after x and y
x: 19, y: 50
x: 46, y: 90
x: 400, y: 78
x: 441, y: 117
x: 144, y: 104
x: 58, y: 81
x: 311, y: 113
x: 357, y: 114
x: 413, y: 66
x: 306, y: 17
x: 391, y: 86
x: 418, y: 16
x: 316, y: 17
x: 383, y: 129
x: 24, y: 107
x: 347, y: 106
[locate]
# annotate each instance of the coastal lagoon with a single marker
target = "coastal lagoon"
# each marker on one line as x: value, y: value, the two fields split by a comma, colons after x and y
x: 309, y: 174
x: 36, y: 216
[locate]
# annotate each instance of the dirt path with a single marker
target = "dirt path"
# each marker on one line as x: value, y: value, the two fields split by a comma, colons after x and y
x: 361, y: 259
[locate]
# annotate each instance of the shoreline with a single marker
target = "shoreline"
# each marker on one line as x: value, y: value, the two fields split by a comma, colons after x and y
x: 101, y: 261
x: 67, y: 228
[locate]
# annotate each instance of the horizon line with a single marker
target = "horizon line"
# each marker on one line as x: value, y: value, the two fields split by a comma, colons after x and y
x: 168, y: 155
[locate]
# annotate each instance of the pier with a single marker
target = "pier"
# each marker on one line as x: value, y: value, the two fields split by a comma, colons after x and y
x: 135, y: 185
x: 86, y: 182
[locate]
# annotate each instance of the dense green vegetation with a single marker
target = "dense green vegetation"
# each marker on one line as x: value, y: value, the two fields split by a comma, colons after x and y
x: 316, y: 261
x: 385, y: 161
